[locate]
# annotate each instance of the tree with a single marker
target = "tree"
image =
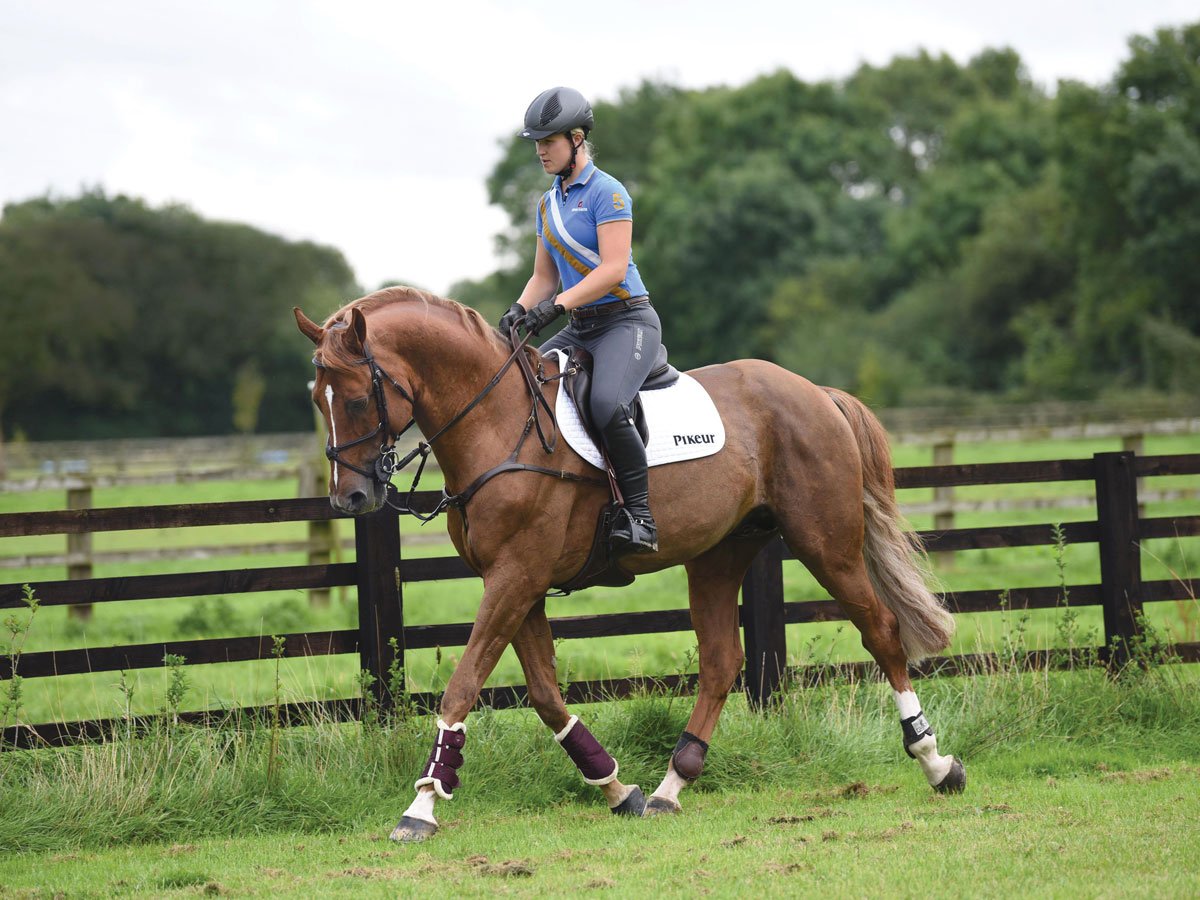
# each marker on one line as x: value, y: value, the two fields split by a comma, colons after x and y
x: 136, y: 320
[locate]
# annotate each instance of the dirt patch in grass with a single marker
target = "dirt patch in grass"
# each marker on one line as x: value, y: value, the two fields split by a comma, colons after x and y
x: 862, y: 789
x: 513, y: 868
x: 787, y: 868
x: 889, y: 833
x: 1140, y: 777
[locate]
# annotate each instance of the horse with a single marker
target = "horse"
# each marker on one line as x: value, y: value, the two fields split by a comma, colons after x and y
x: 808, y: 463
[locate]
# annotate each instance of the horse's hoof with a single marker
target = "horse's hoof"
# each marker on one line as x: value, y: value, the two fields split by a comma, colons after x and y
x: 633, y: 805
x: 411, y: 831
x: 661, y: 806
x: 955, y: 781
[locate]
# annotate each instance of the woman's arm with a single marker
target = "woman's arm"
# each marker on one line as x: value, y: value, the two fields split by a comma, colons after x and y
x: 543, y: 282
x: 615, y: 241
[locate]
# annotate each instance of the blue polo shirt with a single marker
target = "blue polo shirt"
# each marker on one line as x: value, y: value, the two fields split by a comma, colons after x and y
x: 566, y: 224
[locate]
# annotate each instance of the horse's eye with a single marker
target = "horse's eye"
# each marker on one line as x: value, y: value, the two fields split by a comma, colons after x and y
x: 357, y: 406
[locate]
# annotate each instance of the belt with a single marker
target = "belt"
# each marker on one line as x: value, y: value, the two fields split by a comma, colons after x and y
x: 603, y: 309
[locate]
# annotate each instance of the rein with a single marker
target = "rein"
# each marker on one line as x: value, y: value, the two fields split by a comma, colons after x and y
x: 388, y: 461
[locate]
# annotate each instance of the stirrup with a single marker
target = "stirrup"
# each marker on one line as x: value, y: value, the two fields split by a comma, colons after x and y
x: 633, y: 534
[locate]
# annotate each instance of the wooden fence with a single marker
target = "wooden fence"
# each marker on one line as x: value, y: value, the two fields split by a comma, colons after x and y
x: 380, y: 573
x: 78, y: 468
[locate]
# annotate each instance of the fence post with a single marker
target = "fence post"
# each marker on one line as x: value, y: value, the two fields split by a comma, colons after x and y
x: 763, y: 625
x: 322, y: 534
x: 1136, y: 444
x: 79, y: 548
x: 1120, y: 554
x: 943, y: 499
x: 380, y: 598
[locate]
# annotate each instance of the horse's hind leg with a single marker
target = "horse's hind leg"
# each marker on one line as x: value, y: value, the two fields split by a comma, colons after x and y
x: 534, y: 644
x: 844, y: 574
x: 714, y: 580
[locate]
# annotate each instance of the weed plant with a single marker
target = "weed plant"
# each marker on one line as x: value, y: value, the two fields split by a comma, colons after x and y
x: 18, y: 632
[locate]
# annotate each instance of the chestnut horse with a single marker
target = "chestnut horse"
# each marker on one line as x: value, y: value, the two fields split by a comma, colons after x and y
x: 809, y: 463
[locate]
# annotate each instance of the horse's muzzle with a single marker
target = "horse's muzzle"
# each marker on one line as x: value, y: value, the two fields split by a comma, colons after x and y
x: 366, y: 497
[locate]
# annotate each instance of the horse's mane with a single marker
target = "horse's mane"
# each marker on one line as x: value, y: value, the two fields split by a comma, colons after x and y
x: 470, y: 319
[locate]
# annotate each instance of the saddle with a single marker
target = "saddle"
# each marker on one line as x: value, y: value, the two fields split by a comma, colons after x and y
x: 578, y: 377
x: 602, y: 568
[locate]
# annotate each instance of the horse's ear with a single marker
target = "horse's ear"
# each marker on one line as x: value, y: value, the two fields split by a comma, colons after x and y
x: 358, y: 325
x: 308, y: 327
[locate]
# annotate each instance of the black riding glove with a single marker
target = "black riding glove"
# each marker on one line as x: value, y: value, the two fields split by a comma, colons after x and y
x: 515, y: 314
x: 542, y: 315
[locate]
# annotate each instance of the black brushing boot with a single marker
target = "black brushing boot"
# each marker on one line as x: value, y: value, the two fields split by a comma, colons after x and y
x: 634, y: 530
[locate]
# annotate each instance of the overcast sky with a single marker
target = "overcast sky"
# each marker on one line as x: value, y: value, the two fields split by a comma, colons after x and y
x: 370, y: 126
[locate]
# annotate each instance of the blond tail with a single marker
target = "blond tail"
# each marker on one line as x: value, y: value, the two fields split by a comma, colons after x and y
x: 896, y: 560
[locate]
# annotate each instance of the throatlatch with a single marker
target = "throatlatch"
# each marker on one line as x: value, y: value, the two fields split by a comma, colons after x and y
x: 593, y: 761
x: 442, y: 769
x: 688, y: 758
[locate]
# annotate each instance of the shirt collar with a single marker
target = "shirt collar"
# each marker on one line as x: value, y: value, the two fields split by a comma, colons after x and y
x: 588, y: 171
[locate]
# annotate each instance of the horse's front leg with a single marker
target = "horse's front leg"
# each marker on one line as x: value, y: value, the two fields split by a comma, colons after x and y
x: 534, y: 644
x: 505, y: 604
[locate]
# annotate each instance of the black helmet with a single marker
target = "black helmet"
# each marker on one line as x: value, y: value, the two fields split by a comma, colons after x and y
x: 556, y: 111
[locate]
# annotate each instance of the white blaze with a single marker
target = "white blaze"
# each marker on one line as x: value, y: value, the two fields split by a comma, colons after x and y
x: 332, y: 428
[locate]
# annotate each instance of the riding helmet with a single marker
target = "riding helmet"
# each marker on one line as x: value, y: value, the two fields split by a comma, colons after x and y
x: 556, y: 111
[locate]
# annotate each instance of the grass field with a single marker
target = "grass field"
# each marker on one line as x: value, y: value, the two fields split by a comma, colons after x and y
x: 86, y: 696
x: 1079, y: 785
x: 1086, y: 836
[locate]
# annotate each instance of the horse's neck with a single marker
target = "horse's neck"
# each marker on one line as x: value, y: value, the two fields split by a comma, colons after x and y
x: 449, y: 367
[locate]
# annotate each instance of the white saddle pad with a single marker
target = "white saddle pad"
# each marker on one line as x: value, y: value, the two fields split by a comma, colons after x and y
x: 683, y: 421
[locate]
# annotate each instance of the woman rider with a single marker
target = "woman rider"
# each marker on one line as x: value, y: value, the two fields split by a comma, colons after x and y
x: 585, y: 235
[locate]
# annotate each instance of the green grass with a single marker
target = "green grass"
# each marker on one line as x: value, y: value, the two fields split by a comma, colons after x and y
x: 85, y: 696
x: 1012, y: 837
x: 1079, y: 784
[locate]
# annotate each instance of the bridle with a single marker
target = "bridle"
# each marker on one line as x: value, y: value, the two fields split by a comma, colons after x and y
x: 389, y: 461
x: 386, y: 463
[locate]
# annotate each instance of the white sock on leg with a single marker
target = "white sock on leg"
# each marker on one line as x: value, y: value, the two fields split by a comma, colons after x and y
x: 934, y: 765
x: 671, y: 785
x: 422, y: 806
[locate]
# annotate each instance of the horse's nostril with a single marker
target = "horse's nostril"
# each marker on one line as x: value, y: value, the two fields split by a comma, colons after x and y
x: 358, y: 499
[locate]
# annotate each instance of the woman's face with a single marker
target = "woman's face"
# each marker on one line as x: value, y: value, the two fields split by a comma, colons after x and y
x: 554, y: 152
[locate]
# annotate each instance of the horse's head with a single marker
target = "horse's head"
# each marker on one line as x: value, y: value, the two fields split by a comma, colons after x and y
x: 350, y: 390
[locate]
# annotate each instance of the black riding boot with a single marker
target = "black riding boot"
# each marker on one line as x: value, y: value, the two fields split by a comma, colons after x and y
x: 634, y: 530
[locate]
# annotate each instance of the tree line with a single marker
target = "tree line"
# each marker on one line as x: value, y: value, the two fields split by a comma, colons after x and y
x: 916, y: 233
x: 125, y: 320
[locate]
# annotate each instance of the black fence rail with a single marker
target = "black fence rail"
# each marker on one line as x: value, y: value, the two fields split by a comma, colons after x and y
x: 380, y: 573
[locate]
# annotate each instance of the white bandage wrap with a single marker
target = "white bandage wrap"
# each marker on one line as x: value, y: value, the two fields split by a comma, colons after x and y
x: 428, y: 778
